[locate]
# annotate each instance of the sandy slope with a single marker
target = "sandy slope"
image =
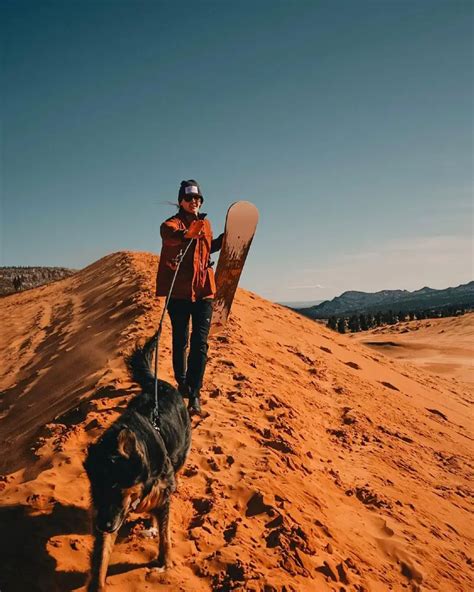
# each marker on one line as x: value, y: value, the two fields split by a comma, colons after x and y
x: 321, y: 465
x: 442, y: 346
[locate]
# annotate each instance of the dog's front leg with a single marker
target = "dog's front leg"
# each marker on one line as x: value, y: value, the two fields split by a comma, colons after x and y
x: 163, y: 516
x: 103, y: 545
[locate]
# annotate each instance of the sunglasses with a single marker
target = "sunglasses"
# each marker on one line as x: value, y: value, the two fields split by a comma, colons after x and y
x: 189, y: 198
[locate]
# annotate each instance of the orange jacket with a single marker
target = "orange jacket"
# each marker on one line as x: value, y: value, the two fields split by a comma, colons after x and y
x: 195, y: 279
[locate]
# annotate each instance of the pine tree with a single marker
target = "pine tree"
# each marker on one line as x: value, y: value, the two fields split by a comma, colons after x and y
x: 353, y: 324
x: 370, y: 320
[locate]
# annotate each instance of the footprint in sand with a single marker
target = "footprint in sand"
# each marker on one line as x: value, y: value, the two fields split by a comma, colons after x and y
x: 211, y: 461
x: 202, y: 507
x: 436, y: 412
x: 257, y: 505
x: 393, y: 546
x: 353, y: 365
x: 389, y: 385
x: 230, y: 532
x: 336, y: 573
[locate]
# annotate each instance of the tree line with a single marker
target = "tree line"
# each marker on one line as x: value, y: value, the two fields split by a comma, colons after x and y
x: 17, y: 279
x: 366, y: 321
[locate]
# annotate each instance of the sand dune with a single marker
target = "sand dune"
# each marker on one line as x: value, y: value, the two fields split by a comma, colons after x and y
x: 321, y: 465
x: 441, y: 346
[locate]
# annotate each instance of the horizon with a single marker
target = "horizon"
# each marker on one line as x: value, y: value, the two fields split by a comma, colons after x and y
x: 348, y: 126
x: 312, y: 302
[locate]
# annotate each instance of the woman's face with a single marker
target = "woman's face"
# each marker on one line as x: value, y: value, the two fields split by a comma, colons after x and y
x: 192, y: 207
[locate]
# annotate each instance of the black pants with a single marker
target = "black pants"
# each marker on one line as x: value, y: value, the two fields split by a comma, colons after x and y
x: 190, y: 369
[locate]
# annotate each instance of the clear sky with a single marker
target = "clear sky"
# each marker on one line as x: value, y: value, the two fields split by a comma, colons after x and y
x: 348, y: 124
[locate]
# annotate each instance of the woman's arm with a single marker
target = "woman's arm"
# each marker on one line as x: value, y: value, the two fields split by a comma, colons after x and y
x: 172, y: 230
x: 216, y: 243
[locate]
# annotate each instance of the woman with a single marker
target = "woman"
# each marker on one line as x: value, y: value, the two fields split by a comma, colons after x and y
x: 193, y: 291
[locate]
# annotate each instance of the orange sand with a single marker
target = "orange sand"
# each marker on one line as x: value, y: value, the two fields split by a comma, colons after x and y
x: 442, y: 346
x: 321, y: 465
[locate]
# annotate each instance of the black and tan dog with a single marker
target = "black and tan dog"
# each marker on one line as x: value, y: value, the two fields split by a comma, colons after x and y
x: 132, y: 466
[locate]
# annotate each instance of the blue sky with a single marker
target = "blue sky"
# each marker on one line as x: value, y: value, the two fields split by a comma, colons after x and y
x: 348, y: 124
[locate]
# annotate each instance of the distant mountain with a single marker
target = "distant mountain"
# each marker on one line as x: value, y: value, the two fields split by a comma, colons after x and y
x: 397, y: 300
x: 301, y: 303
x: 18, y: 279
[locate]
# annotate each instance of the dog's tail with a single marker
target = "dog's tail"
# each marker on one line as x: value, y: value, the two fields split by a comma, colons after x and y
x: 139, y: 363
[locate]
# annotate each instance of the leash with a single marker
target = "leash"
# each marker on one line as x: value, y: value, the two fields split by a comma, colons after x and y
x: 179, y: 258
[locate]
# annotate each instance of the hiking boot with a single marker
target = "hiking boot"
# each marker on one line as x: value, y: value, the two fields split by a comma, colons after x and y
x: 194, y: 406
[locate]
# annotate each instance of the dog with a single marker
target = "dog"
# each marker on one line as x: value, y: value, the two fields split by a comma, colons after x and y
x: 133, y: 465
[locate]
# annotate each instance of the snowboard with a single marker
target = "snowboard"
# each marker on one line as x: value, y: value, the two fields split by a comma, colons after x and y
x: 240, y: 225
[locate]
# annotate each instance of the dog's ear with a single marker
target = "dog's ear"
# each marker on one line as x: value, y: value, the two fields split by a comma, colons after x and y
x: 127, y: 443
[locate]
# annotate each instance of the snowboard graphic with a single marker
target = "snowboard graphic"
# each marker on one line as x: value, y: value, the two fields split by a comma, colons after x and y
x: 240, y: 225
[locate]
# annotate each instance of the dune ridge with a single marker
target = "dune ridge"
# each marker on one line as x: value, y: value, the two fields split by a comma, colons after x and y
x: 321, y: 465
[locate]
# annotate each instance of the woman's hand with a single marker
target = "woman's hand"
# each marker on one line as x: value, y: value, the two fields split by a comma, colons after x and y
x: 195, y: 229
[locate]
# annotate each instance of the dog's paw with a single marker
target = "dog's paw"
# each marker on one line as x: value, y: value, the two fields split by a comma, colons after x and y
x: 94, y: 586
x: 156, y: 569
x: 160, y: 565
